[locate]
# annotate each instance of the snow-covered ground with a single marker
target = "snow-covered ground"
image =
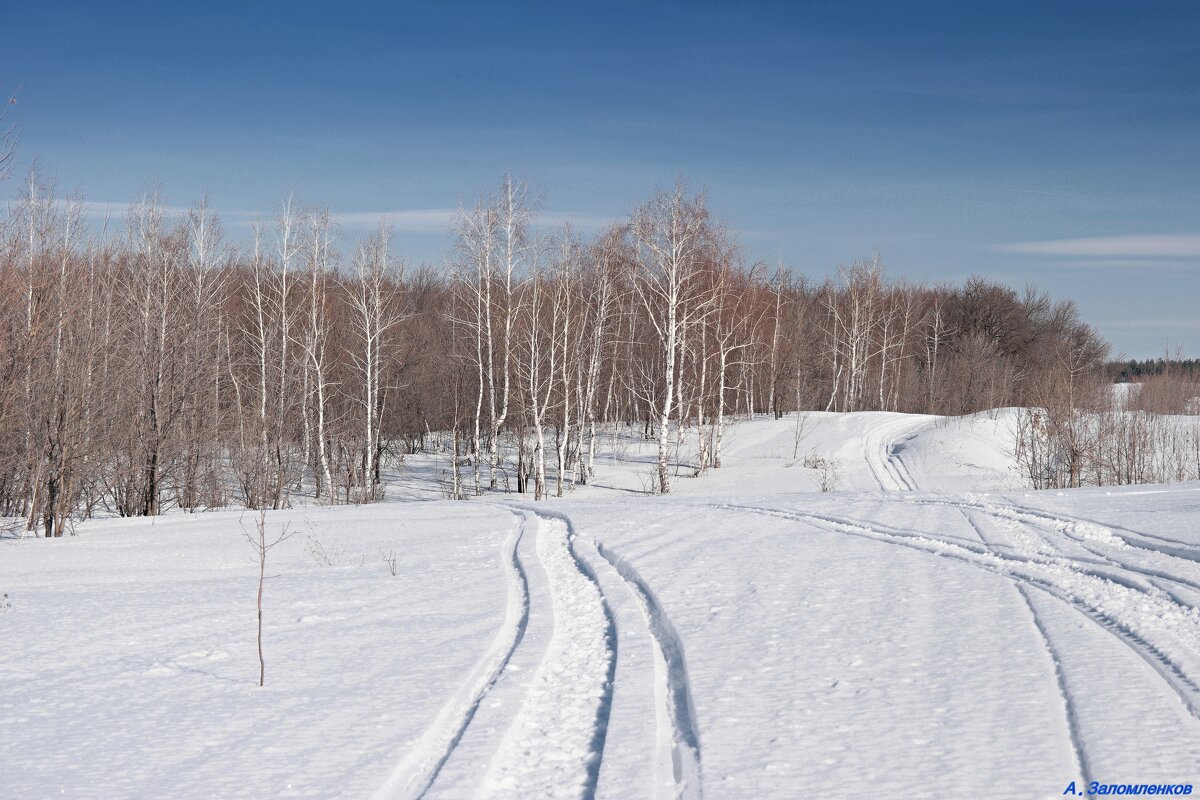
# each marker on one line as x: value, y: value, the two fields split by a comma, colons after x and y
x: 929, y: 629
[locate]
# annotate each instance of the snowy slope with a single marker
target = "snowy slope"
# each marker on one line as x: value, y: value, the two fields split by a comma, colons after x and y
x: 927, y: 631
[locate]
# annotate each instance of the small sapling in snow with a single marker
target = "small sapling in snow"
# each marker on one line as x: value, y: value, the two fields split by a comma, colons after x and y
x: 259, y: 541
x: 325, y: 553
x: 390, y: 559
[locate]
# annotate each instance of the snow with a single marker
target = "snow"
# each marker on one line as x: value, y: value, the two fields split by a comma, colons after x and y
x: 555, y: 741
x: 930, y: 629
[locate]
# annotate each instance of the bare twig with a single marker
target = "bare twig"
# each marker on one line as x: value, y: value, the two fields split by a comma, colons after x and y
x: 261, y: 545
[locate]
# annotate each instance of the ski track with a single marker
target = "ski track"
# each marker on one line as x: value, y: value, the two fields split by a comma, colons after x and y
x: 418, y: 770
x: 677, y: 732
x: 1088, y: 536
x: 880, y: 443
x: 555, y: 742
x: 1119, y: 609
x: 1070, y: 709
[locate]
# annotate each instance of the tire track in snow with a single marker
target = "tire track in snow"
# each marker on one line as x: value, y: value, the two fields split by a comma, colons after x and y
x: 1076, y: 528
x: 1088, y: 536
x: 880, y: 443
x: 675, y: 713
x: 883, y: 459
x: 417, y: 771
x: 1069, y: 706
x: 1070, y: 709
x: 1087, y: 594
x: 1081, y: 530
x: 554, y: 744
x: 1092, y: 537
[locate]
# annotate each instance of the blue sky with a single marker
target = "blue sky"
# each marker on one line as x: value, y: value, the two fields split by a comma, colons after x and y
x: 1048, y: 143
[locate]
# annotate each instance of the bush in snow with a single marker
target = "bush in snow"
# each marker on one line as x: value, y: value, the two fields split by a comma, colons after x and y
x: 829, y: 471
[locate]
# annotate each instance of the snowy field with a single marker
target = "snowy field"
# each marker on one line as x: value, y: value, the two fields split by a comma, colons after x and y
x: 926, y: 630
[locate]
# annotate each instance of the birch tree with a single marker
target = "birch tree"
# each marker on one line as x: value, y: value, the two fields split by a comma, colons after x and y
x: 376, y: 311
x: 671, y: 233
x: 315, y: 342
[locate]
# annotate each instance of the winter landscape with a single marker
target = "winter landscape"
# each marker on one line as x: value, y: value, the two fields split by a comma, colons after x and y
x: 656, y: 400
x: 927, y: 629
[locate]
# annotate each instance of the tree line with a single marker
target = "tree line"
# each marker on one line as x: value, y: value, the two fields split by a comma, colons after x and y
x: 1091, y: 432
x: 1139, y: 369
x: 159, y: 364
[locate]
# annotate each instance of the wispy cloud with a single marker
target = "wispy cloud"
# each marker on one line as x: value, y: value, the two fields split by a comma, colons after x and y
x: 413, y: 220
x: 1113, y: 264
x: 439, y: 220
x: 409, y: 220
x: 1154, y: 324
x: 1183, y: 245
x: 581, y: 221
x: 99, y: 208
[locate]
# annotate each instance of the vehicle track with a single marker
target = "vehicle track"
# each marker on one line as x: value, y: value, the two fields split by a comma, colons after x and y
x: 677, y: 770
x: 675, y: 713
x: 1089, y: 536
x: 1084, y: 593
x: 880, y: 451
x: 1070, y: 708
x: 555, y: 742
x: 418, y: 770
x: 891, y: 472
x: 883, y: 459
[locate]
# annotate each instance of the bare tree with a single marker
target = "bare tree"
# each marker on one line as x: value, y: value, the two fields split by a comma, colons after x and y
x: 565, y: 343
x: 315, y: 342
x: 167, y: 368
x: 9, y: 136
x: 375, y: 301
x: 671, y: 233
x: 493, y: 244
x: 542, y: 325
x: 262, y: 545
x: 602, y: 307
x: 475, y: 282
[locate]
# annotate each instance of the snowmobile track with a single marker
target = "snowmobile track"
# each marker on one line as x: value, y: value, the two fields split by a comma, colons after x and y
x: 1069, y: 706
x: 555, y: 741
x: 1174, y: 677
x: 416, y: 772
x: 675, y: 691
x: 881, y: 443
x: 1069, y: 527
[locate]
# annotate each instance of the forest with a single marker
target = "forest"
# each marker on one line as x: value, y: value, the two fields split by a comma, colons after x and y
x: 161, y: 363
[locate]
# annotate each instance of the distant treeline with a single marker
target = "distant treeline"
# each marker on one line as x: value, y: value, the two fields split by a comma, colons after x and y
x: 163, y: 366
x: 1134, y: 370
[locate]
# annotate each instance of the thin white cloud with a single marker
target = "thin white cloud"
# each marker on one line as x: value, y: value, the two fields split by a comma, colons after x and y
x: 1154, y: 324
x: 439, y: 220
x: 581, y: 222
x: 1116, y: 264
x: 1183, y: 245
x: 101, y: 208
x: 413, y: 220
